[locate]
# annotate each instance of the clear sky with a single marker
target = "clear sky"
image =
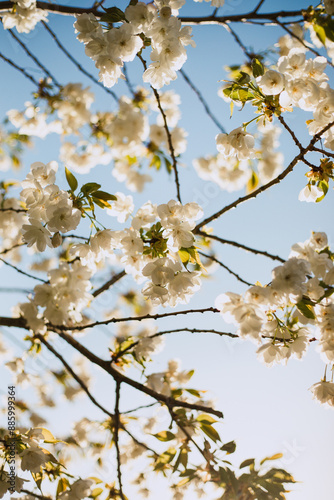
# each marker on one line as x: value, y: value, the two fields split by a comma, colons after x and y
x: 267, y: 410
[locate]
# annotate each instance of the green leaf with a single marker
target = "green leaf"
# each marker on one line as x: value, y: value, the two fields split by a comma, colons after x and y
x: 273, y: 457
x: 168, y: 165
x: 181, y: 459
x: 206, y: 419
x: 102, y: 195
x: 253, y: 182
x: 164, y: 436
x: 90, y: 187
x: 210, y: 432
x: 71, y: 180
x: 229, y: 447
x: 113, y: 15
x: 156, y: 162
x: 196, y: 393
x: 243, y: 78
x: 184, y: 256
x: 247, y: 463
x: 101, y: 203
x: 323, y: 185
x: 329, y: 29
x: 305, y: 309
x: 96, y: 492
x: 320, y: 32
x: 257, y: 68
x: 63, y: 484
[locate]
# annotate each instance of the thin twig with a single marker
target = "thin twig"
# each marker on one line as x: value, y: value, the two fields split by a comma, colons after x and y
x: 307, y: 46
x: 139, y: 408
x: 127, y: 80
x: 133, y: 318
x: 203, y: 101
x: 22, y: 272
x: 19, y: 68
x: 34, y: 58
x: 109, y: 283
x: 211, y: 257
x: 14, y: 290
x: 258, y: 6
x: 6, y: 250
x: 121, y: 353
x: 116, y: 431
x: 241, y: 246
x: 323, y: 151
x: 120, y: 377
x: 75, y: 62
x: 36, y: 495
x: 74, y: 375
x: 169, y: 137
x: 239, y: 42
x: 269, y: 184
x: 90, y: 396
x: 11, y: 209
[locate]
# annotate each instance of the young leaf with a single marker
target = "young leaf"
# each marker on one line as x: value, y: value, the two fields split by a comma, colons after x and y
x: 246, y: 463
x: 113, y: 15
x: 90, y: 187
x: 320, y: 32
x: 229, y: 447
x: 305, y: 309
x: 257, y: 68
x: 102, y: 195
x: 210, y: 432
x: 164, y: 436
x: 71, y: 180
x: 273, y: 457
x: 206, y: 419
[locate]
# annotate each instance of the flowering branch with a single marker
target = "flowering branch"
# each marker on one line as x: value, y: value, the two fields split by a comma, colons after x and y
x: 75, y: 62
x: 118, y: 376
x: 269, y: 184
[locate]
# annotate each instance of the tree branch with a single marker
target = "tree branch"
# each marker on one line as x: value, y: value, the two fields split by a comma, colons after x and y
x: 75, y: 62
x: 274, y: 181
x: 211, y: 257
x: 241, y: 246
x: 116, y: 431
x: 132, y: 318
x: 119, y: 377
x: 119, y: 354
x: 34, y: 58
x: 109, y: 283
x: 203, y: 101
x: 169, y: 137
x: 22, y: 272
x: 19, y: 68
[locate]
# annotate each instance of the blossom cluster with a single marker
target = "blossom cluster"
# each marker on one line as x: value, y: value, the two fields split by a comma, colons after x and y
x: 155, y: 22
x: 149, y: 249
x: 300, y: 293
x: 127, y: 130
x: 24, y: 16
x: 50, y: 209
x: 232, y: 169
